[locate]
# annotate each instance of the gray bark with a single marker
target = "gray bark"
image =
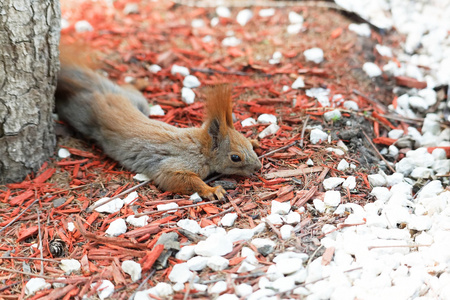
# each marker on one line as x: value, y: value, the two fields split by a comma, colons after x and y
x: 29, y: 62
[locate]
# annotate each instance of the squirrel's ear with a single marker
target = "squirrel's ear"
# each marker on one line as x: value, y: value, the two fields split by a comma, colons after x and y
x: 219, y: 106
x: 213, y: 127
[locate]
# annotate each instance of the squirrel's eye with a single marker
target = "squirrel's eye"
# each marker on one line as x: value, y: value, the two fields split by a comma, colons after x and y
x: 235, y: 158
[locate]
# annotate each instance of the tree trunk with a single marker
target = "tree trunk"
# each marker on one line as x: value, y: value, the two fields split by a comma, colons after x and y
x: 29, y: 62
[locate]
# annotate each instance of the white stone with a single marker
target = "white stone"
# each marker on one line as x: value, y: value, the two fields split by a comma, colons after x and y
x: 154, y: 68
x: 405, y: 166
x: 395, y: 133
x: 228, y: 219
x: 195, y: 197
x: 420, y: 223
x: 333, y: 115
x: 441, y: 167
x: 332, y: 198
x: 176, y: 69
x: 332, y: 182
x: 141, y: 177
x: 343, y: 165
x: 298, y: 83
x: 260, y: 242
x: 156, y: 110
x: 169, y: 207
x: 431, y: 125
x: 336, y: 151
x: 350, y: 182
x: 319, y: 205
x: 36, y: 284
x: 421, y: 172
x: 259, y: 228
x: 105, y: 289
x: 244, y: 16
x: 310, y: 162
x: 217, y: 263
x: 271, y: 129
x: 351, y: 105
x: 197, y: 23
x: 191, y: 81
x: 212, y: 229
x: 70, y: 265
x: 178, y: 287
x: 360, y: 29
x: 377, y: 180
x: 248, y: 122
x: 383, y: 50
x: 180, y: 273
x: 295, y: 18
x: 128, y: 79
x: 110, y: 207
x: 243, y: 289
x: 187, y: 95
x: 197, y: 263
x: 289, y: 265
x: 231, y: 41
x: 275, y: 219
x: 227, y: 297
x: 132, y: 268
x: 266, y: 12
x: 317, y: 136
x: 294, y: 28
x: 286, y: 231
x: 292, y: 218
x: 314, y: 54
x: 431, y: 189
x: 83, y: 26
x: 137, y: 222
x: 439, y: 154
x: 281, y: 208
x: 63, y: 153
x: 131, y: 197
x: 215, y: 244
x: 418, y: 103
x: 371, y: 69
x: 200, y: 287
x: 267, y: 119
x: 223, y: 12
x: 218, y: 287
x: 189, y: 225
x: 240, y: 234
x: 116, y: 228
x: 393, y: 151
x: 186, y: 253
x: 429, y: 95
x: 162, y: 289
x: 70, y: 226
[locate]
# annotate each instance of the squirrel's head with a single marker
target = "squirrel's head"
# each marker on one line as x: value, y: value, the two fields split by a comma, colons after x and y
x: 230, y: 152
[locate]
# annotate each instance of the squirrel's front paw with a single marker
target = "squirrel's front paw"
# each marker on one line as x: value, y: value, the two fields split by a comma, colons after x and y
x: 210, y: 192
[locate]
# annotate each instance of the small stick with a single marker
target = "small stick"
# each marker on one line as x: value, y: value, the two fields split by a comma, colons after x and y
x: 378, y: 152
x: 40, y: 241
x: 221, y: 213
x: 26, y: 273
x: 399, y: 246
x: 19, y: 215
x: 152, y: 272
x: 175, y: 208
x: 279, y: 149
x: 274, y: 229
x: 30, y: 258
x: 90, y: 209
x: 302, y: 137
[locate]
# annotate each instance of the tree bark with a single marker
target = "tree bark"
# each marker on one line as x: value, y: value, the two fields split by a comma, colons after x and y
x: 29, y: 62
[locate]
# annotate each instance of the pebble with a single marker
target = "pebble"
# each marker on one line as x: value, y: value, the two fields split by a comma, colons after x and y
x: 310, y: 162
x: 292, y: 218
x: 197, y: 23
x: 227, y: 297
x: 289, y: 265
x: 318, y: 136
x: 260, y: 242
x: 336, y: 151
x: 156, y: 110
x: 319, y: 205
x: 395, y: 134
x: 223, y: 12
x: 83, y: 26
x: 332, y: 182
x: 371, y: 69
x: 189, y: 225
x: 167, y: 207
x: 63, y: 153
x: 187, y: 95
x: 215, y: 245
x: 333, y: 115
x: 162, y: 289
x: 314, y: 54
x: 332, y: 198
x: 383, y: 50
x: 186, y: 253
x: 350, y: 182
x: 267, y: 119
x: 284, y: 284
x: 275, y: 219
x: 295, y: 18
x: 70, y: 265
x: 377, y: 180
x: 180, y: 273
x: 218, y: 287
x: 228, y: 219
x: 243, y: 289
x: 240, y: 234
x: 360, y: 29
x: 286, y: 231
x: 248, y: 122
x: 421, y: 172
x: 212, y: 229
x: 343, y: 165
x: 154, y: 68
x: 294, y: 28
x: 231, y: 41
x: 271, y: 129
x: 36, y: 284
x: 298, y: 83
x: 246, y: 267
x: 439, y: 154
x: 281, y: 208
x: 266, y: 12
x: 217, y: 263
x: 131, y: 198
x: 351, y: 105
x: 110, y: 207
x: 176, y: 69
x: 137, y: 222
x: 244, y: 16
x: 418, y: 103
x: 197, y: 263
x: 141, y: 177
x: 116, y: 228
x: 133, y: 269
x: 191, y: 81
x: 105, y: 289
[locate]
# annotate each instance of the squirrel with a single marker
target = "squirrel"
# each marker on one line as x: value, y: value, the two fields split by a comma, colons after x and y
x: 175, y: 159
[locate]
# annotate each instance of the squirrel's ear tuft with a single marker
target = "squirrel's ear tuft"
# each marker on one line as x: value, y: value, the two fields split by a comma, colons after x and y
x: 214, y: 133
x: 219, y: 106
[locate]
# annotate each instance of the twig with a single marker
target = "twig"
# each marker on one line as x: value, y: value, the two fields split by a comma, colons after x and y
x: 90, y: 209
x: 240, y: 73
x: 302, y: 136
x: 378, y: 152
x: 221, y: 213
x: 399, y: 246
x: 176, y: 208
x: 26, y: 273
x: 40, y: 241
x: 371, y: 99
x: 274, y: 229
x: 188, y: 289
x: 152, y: 272
x: 30, y: 258
x: 19, y: 215
x: 278, y: 149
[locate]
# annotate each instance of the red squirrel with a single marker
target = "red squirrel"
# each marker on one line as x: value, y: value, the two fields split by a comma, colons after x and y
x: 176, y: 159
